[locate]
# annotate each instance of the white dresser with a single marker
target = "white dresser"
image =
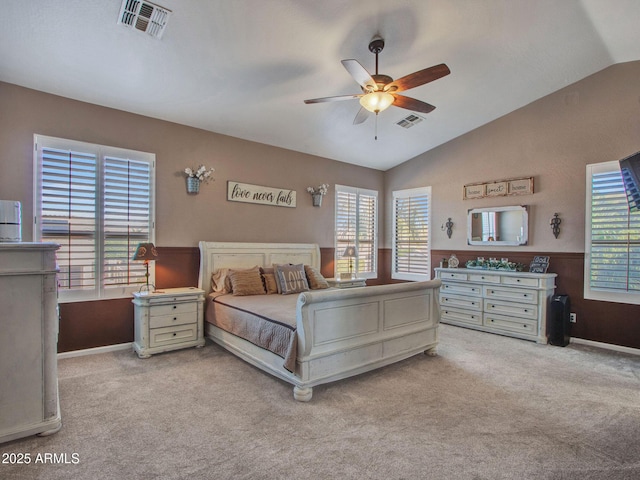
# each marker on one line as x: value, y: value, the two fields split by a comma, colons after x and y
x: 28, y: 342
x: 508, y: 303
x: 168, y: 319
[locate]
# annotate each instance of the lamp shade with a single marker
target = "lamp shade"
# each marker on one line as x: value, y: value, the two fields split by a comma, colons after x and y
x: 146, y: 252
x: 350, y: 252
x: 376, y: 101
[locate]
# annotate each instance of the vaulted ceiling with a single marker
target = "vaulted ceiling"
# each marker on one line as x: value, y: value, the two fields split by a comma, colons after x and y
x: 244, y: 67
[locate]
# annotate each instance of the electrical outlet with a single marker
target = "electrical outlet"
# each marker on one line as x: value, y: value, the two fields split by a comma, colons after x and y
x: 572, y: 317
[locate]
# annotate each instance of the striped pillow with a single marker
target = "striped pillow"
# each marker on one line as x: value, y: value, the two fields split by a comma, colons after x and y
x: 246, y: 282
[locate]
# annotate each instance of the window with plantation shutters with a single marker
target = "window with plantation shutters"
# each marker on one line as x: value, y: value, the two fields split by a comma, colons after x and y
x: 612, y: 237
x: 411, y: 249
x: 356, y: 226
x: 97, y: 203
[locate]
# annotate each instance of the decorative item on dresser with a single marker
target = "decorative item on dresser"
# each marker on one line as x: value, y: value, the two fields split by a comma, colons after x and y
x: 168, y: 319
x: 29, y: 401
x: 350, y: 252
x: 508, y: 303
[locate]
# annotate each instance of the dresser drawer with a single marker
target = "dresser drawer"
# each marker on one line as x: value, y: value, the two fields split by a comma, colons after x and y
x: 461, y: 289
x: 169, y: 335
x: 511, y: 325
x: 470, y: 303
x: 460, y: 316
x: 158, y: 321
x: 526, y: 282
x: 173, y: 299
x: 515, y: 294
x: 173, y: 309
x: 453, y: 275
x: 484, y: 278
x: 512, y: 309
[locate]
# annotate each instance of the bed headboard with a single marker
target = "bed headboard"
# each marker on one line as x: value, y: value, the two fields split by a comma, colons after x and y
x: 215, y: 255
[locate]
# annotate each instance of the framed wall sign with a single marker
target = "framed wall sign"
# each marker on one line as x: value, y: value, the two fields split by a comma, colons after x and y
x: 499, y: 188
x: 246, y: 193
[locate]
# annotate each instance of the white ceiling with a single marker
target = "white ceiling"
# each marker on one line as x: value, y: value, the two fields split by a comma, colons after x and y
x: 244, y: 67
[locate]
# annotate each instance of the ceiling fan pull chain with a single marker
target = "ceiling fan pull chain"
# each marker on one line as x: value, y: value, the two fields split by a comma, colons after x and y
x: 376, y: 132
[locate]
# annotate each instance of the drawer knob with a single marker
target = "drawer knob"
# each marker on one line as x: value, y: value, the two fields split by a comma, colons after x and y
x: 175, y: 318
x: 517, y: 280
x: 175, y: 306
x: 526, y: 311
x: 174, y: 334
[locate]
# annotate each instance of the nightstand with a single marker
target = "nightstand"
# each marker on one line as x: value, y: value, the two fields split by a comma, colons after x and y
x: 350, y: 283
x: 168, y: 319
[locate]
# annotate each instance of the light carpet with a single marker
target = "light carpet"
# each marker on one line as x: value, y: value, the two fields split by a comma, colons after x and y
x: 487, y: 407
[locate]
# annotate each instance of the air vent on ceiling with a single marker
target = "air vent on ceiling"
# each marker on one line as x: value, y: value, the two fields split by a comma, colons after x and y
x: 144, y: 16
x: 409, y: 121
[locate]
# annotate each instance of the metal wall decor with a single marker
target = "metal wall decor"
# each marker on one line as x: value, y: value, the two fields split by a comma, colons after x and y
x: 555, y: 225
x: 449, y: 226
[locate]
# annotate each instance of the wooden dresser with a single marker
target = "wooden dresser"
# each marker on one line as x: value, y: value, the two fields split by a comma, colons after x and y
x: 28, y: 342
x: 507, y: 303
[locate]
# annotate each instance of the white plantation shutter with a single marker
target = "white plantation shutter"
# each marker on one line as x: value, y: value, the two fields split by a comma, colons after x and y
x: 612, y: 237
x: 127, y: 207
x: 97, y: 203
x: 356, y: 225
x: 68, y: 213
x: 411, y: 242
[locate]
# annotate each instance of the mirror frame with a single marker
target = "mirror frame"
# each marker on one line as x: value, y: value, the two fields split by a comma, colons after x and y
x: 525, y: 227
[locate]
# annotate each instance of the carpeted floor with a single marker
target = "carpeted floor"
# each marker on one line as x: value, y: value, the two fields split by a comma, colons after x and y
x: 487, y: 407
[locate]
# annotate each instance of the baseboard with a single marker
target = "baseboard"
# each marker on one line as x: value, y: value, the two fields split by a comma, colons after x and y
x: 607, y: 346
x: 94, y: 351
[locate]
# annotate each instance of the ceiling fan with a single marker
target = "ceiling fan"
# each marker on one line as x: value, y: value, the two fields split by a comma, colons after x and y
x: 381, y: 91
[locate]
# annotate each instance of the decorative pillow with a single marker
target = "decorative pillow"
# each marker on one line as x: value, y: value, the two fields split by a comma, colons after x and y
x: 315, y: 278
x: 291, y: 278
x: 220, y: 281
x: 269, y: 280
x: 246, y: 282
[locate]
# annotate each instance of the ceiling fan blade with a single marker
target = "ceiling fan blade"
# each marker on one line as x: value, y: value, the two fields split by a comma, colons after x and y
x: 360, y: 74
x: 333, y: 99
x: 418, y: 78
x: 412, y: 104
x: 361, y: 116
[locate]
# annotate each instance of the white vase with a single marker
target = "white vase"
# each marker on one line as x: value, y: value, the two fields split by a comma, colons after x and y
x: 193, y: 185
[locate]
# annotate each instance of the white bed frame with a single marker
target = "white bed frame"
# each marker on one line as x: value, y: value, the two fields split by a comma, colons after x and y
x: 341, y: 332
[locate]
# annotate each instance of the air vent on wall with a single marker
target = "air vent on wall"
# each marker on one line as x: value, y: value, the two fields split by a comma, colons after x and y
x: 409, y: 121
x: 144, y: 16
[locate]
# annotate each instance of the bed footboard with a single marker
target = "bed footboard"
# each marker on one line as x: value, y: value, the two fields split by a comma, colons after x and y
x: 346, y: 332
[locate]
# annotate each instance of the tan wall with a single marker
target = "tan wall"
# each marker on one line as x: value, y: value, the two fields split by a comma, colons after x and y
x: 182, y: 219
x: 594, y: 120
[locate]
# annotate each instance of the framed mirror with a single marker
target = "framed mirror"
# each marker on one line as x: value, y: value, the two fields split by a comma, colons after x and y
x: 498, y: 226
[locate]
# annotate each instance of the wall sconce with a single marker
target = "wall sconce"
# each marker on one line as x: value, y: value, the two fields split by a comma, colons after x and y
x: 555, y: 225
x: 449, y: 226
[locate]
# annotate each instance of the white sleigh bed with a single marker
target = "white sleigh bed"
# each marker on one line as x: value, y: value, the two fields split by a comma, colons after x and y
x: 339, y: 332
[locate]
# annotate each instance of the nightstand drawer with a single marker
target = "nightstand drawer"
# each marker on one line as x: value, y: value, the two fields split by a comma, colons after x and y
x: 174, y: 309
x: 166, y: 336
x: 175, y: 319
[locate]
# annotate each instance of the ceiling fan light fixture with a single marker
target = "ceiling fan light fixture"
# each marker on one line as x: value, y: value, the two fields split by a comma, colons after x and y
x: 376, y: 102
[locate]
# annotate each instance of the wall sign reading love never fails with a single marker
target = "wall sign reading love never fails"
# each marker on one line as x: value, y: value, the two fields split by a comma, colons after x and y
x: 243, y: 192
